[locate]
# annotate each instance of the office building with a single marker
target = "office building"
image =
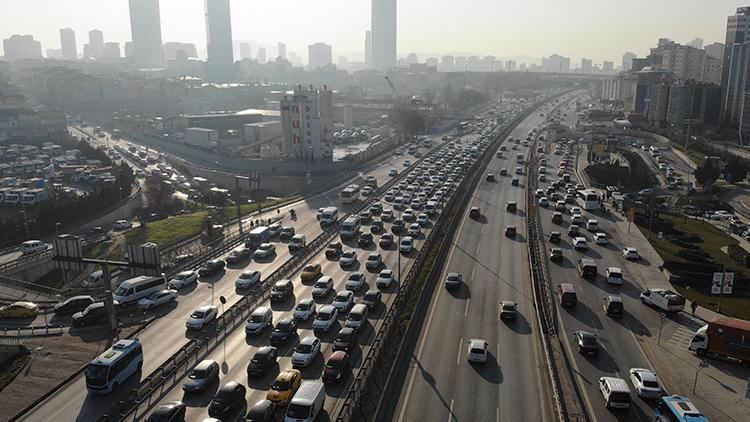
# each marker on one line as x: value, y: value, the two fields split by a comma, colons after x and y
x: 608, y: 67
x: 460, y: 64
x: 510, y: 66
x: 68, y: 44
x: 684, y: 61
x: 281, y: 51
x: 219, y: 37
x: 95, y: 46
x: 431, y: 62
x: 246, y: 51
x: 307, y: 124
x: 368, y: 50
x: 111, y: 50
x: 383, y: 34
x: 627, y: 61
x: 651, y: 97
x: 586, y: 66
x: 693, y: 103
x: 261, y: 58
x: 19, y: 47
x: 145, y: 32
x: 734, y: 72
x: 179, y: 51
x: 319, y: 55
x: 715, y: 50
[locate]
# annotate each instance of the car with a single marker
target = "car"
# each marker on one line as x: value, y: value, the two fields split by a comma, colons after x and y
x: 356, y: 281
x: 211, y: 268
x: 543, y: 201
x: 310, y: 273
x: 600, y: 238
x: 343, y: 300
x: 614, y: 275
x: 577, y: 219
x: 386, y: 215
x: 365, y: 217
x: 264, y: 251
x: 554, y: 237
x: 21, y: 309
x: 364, y: 240
x: 423, y: 219
x: 386, y: 240
x: 72, y: 305
x: 333, y: 250
x: 408, y: 214
x: 490, y: 177
x: 453, y: 280
x: 586, y: 342
x: 325, y: 318
x: 646, y: 383
x: 247, y: 279
x: 631, y: 253
x: 168, y: 412
x: 201, y: 376
x: 503, y: 172
x: 201, y: 317
x: 475, y: 213
x: 376, y: 227
x: 336, y: 366
x: 573, y: 230
x: 508, y: 310
x: 510, y: 231
x: 122, y: 225
x: 348, y: 258
x: 322, y: 287
x: 286, y: 233
x: 372, y: 298
x: 385, y: 279
x: 345, y: 340
x: 392, y: 172
x: 555, y: 254
x: 304, y: 309
x: 281, y: 290
x: 157, y: 298
x: 284, y: 386
x: 374, y: 260
x: 283, y: 331
x: 305, y: 352
x: 182, y: 279
x: 406, y: 245
x: 414, y: 230
x: 477, y: 351
x: 238, y: 255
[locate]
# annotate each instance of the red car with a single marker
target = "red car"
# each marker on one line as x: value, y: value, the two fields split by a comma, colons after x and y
x: 336, y: 366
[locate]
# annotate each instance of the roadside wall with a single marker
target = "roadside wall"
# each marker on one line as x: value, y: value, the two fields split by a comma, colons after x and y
x: 7, y: 351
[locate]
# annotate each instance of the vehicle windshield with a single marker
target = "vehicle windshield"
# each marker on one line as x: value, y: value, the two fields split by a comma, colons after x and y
x: 619, y: 397
x: 303, y: 348
x: 509, y: 307
x: 198, y: 374
x: 323, y: 316
x: 154, y: 295
x: 121, y: 291
x: 335, y: 364
x: 279, y: 385
x: 341, y: 298
x: 256, y: 318
x: 453, y: 277
x: 278, y: 287
x: 476, y: 351
x: 198, y: 314
x: 309, y: 269
x: 370, y: 297
x: 297, y: 411
x: 321, y: 284
x: 180, y: 276
x: 588, y: 340
x: 650, y: 384
x: 97, y: 374
x: 303, y: 306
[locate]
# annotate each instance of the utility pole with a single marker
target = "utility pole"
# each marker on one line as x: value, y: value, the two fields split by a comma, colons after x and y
x: 237, y: 200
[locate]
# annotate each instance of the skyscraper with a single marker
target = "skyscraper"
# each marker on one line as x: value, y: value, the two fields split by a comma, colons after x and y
x: 145, y: 31
x: 696, y: 43
x: 219, y: 39
x: 246, y: 51
x: 281, y: 50
x: 383, y: 37
x: 586, y: 65
x: 319, y: 55
x: 261, y: 57
x: 734, y: 72
x: 368, y: 50
x: 68, y: 44
x: 96, y: 43
x: 627, y: 61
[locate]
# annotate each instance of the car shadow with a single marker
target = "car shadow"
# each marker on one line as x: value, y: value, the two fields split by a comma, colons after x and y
x: 315, y: 369
x: 262, y: 382
x: 286, y: 305
x: 490, y: 371
x: 520, y: 326
x: 201, y: 398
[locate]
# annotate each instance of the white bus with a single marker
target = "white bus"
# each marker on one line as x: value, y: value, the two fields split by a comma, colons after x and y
x: 134, y: 289
x: 588, y: 199
x: 349, y: 194
x: 114, y: 366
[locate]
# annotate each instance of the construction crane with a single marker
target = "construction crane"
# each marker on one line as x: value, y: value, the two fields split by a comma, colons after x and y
x: 395, y: 92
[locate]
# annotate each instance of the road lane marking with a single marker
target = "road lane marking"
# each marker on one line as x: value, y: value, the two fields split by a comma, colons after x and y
x: 466, y: 310
x: 498, y: 414
x: 482, y: 231
x: 450, y: 413
x: 472, y: 273
x: 460, y: 345
x: 478, y: 245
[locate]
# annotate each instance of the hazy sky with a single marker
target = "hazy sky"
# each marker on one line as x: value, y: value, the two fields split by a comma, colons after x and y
x: 598, y: 29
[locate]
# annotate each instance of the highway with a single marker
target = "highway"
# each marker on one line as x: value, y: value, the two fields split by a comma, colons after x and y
x: 167, y: 334
x: 441, y: 384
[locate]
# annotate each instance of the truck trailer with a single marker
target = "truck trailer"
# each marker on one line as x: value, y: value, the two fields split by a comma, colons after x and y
x: 724, y: 337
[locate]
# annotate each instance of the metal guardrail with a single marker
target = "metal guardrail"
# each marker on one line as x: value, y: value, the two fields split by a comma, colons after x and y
x: 32, y: 331
x: 23, y: 260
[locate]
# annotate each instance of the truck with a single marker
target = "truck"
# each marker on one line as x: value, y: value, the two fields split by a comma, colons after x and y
x: 329, y: 215
x: 257, y: 236
x: 724, y: 337
x: 665, y: 300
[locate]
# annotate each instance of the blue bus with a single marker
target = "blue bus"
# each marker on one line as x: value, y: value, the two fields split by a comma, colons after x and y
x: 114, y: 366
x: 677, y: 409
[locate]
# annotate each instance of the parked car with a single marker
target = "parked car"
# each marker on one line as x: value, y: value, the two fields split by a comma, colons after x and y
x: 333, y: 250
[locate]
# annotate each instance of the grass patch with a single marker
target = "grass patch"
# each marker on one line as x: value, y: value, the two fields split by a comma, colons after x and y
x: 736, y: 307
x: 697, y: 157
x: 13, y: 366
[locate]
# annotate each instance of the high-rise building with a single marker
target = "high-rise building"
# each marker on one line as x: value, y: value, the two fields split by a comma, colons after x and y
x: 19, y: 47
x: 219, y: 37
x: 179, y: 51
x: 145, y: 32
x: 734, y: 72
x: 307, y: 124
x: 510, y: 66
x: 627, y: 61
x: 281, y: 51
x: 608, y: 67
x: 431, y: 62
x: 715, y: 50
x: 556, y: 64
x: 412, y: 58
x: 368, y: 49
x: 319, y: 55
x: 586, y: 65
x: 696, y: 43
x: 261, y: 57
x: 96, y: 44
x: 460, y: 64
x: 684, y: 61
x: 246, y: 51
x: 111, y: 50
x: 383, y: 34
x: 447, y: 64
x: 129, y: 50
x: 68, y: 44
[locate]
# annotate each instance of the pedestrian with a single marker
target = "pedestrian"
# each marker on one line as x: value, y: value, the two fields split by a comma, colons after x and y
x: 694, y: 306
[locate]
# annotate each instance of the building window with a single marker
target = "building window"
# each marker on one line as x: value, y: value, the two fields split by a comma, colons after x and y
x: 295, y: 109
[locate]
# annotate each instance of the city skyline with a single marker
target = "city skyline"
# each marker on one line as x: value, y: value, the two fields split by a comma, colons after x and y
x: 493, y: 32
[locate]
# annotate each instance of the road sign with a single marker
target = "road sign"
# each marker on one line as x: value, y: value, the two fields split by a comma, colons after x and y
x: 728, y: 283
x: 716, y: 284
x: 662, y: 315
x: 68, y: 251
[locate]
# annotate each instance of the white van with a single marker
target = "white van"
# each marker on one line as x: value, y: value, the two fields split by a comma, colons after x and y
x: 298, y: 242
x: 357, y: 317
x: 329, y: 215
x: 307, y: 402
x: 350, y: 227
x: 33, y: 246
x: 615, y: 392
x: 136, y: 288
x: 592, y: 225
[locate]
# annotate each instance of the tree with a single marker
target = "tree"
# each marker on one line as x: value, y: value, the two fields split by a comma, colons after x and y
x: 706, y: 175
x: 158, y: 195
x: 736, y: 168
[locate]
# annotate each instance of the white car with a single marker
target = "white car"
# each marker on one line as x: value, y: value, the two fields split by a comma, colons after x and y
x: 355, y: 281
x: 477, y: 350
x: 614, y: 275
x: 408, y: 215
x: 348, y: 258
x: 414, y: 230
x: 577, y: 219
x: 407, y: 163
x: 373, y: 261
x: 645, y: 382
x: 392, y: 172
x: 385, y: 279
x: 343, y: 300
x: 247, y: 279
x: 631, y: 253
x: 322, y: 287
x: 307, y: 349
x: 182, y: 279
x: 202, y: 317
x: 579, y: 243
x: 406, y: 245
x: 325, y: 318
x: 575, y: 210
x: 259, y: 319
x: 122, y: 225
x: 157, y: 298
x: 600, y: 238
x: 423, y: 219
x: 543, y: 201
x: 264, y: 251
x: 304, y: 309
x: 386, y: 215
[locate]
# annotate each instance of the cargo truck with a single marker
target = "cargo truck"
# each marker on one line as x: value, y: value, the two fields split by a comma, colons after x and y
x: 724, y: 337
